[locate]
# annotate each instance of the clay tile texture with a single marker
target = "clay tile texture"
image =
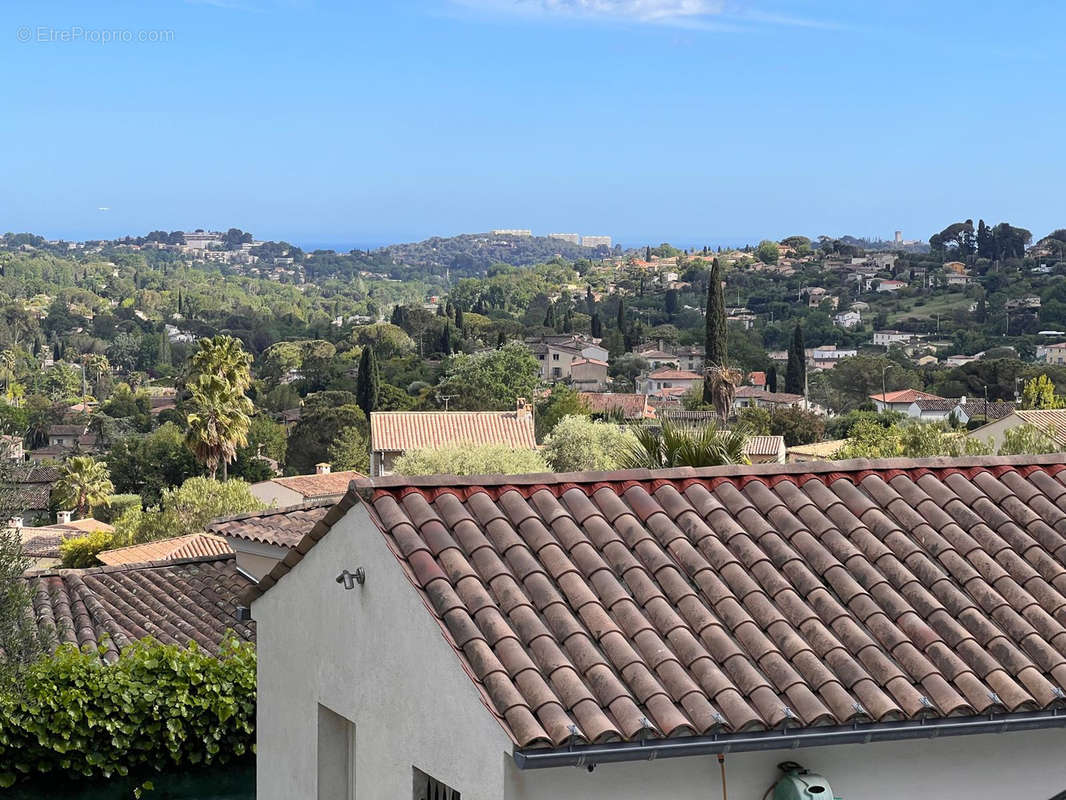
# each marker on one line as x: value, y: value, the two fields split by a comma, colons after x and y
x: 282, y: 527
x: 176, y: 602
x: 692, y: 602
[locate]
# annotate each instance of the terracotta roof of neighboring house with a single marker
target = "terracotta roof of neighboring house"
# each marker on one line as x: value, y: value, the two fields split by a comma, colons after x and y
x: 316, y: 486
x: 579, y: 361
x: 817, y: 449
x: 757, y: 378
x: 633, y: 406
x: 66, y: 430
x: 661, y: 355
x: 30, y: 488
x: 399, y: 431
x: 992, y: 410
x: 904, y: 396
x: 1053, y: 420
x: 764, y: 445
x: 283, y: 527
x: 665, y: 373
x: 291, y: 414
x: 43, y: 541
x: 755, y: 393
x: 597, y: 607
x: 178, y: 547
x: 177, y: 602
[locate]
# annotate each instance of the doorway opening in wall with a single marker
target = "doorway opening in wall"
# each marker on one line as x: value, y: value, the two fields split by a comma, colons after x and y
x: 336, y: 756
x: 427, y: 787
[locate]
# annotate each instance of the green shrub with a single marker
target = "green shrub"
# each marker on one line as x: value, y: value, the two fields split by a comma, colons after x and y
x: 81, y: 551
x: 117, y: 505
x: 157, y: 707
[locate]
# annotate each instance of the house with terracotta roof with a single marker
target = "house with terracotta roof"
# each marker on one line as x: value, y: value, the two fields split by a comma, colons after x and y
x: 753, y: 396
x: 630, y: 405
x: 292, y: 490
x: 901, y: 400
x: 393, y: 433
x: 897, y: 627
x: 261, y: 539
x: 655, y: 381
x: 175, y: 548
x: 40, y: 544
x: 588, y: 374
x: 1051, y: 422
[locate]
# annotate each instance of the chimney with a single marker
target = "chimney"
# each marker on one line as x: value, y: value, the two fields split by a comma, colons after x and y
x: 322, y: 468
x: 15, y: 522
x: 962, y: 400
x: 524, y: 408
x: 63, y: 517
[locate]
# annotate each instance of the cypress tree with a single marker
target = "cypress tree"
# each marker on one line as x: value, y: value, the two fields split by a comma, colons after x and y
x: 446, y: 339
x: 771, y: 379
x: 459, y: 318
x: 596, y: 325
x: 621, y: 315
x: 501, y: 340
x: 796, y: 372
x: 549, y: 316
x: 715, y: 341
x: 367, y: 381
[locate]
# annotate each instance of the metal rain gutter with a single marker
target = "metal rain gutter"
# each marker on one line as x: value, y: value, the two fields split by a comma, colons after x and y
x: 649, y: 749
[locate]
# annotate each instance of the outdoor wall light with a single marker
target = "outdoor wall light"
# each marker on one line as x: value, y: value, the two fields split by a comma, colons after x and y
x: 349, y: 579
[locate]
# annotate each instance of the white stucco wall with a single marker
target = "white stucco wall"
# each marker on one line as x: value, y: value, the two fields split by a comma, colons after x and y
x: 275, y: 495
x: 375, y: 656
x: 1027, y: 766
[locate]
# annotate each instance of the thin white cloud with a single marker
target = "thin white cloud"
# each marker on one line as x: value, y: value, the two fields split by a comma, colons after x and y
x: 701, y: 14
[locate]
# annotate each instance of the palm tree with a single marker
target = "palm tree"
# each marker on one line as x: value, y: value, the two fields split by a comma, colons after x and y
x: 722, y: 382
x: 673, y: 445
x: 218, y: 423
x: 84, y: 483
x: 224, y: 357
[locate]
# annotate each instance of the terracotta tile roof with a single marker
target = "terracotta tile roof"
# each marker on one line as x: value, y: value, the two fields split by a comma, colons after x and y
x: 764, y: 445
x: 177, y: 602
x: 755, y: 393
x: 618, y: 606
x: 666, y: 373
x: 757, y: 379
x: 399, y: 431
x: 283, y: 527
x: 577, y: 362
x: 1046, y: 419
x: 332, y: 484
x: 633, y: 406
x: 43, y: 541
x: 904, y: 396
x: 178, y: 547
x: 993, y: 410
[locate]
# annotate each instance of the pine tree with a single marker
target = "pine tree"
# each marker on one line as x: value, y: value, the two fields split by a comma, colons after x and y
x: 796, y: 371
x: 367, y: 381
x: 771, y: 379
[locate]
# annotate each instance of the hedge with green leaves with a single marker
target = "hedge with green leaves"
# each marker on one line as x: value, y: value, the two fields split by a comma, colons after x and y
x: 156, y: 708
x: 81, y: 550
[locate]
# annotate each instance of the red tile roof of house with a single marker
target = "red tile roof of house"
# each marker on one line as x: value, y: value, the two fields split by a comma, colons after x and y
x: 666, y: 373
x: 579, y: 361
x: 282, y: 527
x: 764, y: 445
x: 904, y: 396
x: 178, y: 547
x: 177, y: 602
x: 755, y: 393
x: 43, y: 541
x: 331, y: 484
x: 633, y: 406
x: 757, y: 379
x: 399, y: 431
x: 633, y: 605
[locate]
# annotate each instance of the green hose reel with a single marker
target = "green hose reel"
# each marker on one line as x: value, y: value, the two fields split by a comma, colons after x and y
x: 800, y: 784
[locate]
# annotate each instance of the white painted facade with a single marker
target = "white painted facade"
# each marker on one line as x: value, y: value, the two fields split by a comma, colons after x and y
x: 361, y: 686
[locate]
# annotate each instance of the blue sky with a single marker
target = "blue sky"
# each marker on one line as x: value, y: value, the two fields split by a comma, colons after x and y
x: 690, y: 121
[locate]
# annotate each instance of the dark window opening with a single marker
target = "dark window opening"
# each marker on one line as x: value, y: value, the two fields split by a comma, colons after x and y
x: 429, y: 788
